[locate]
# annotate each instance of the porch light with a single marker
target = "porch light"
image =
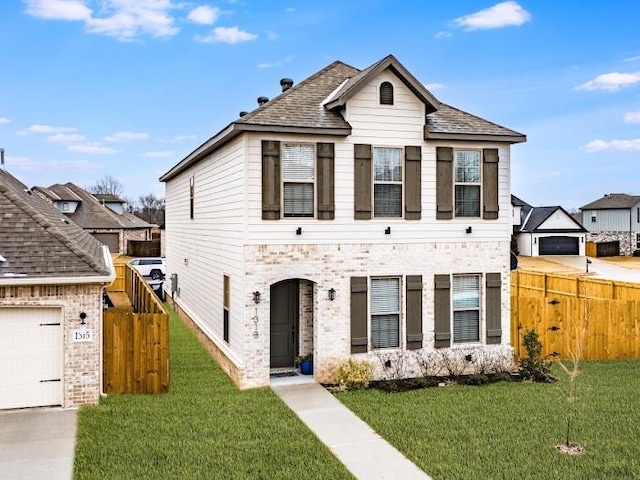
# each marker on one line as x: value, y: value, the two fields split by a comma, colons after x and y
x: 256, y: 297
x: 83, y: 317
x: 332, y: 294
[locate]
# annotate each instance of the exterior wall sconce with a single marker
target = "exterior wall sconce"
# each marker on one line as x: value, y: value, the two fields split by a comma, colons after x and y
x: 83, y: 317
x: 387, y: 231
x: 469, y: 230
x: 332, y: 294
x: 588, y: 263
x: 535, y: 240
x: 299, y: 231
x: 256, y: 297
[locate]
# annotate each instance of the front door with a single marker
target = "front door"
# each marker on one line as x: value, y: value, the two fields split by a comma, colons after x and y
x: 284, y: 322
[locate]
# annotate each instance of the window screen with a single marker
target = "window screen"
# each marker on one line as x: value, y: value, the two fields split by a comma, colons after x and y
x: 387, y: 177
x: 466, y: 309
x: 467, y: 183
x: 298, y: 163
x: 385, y: 312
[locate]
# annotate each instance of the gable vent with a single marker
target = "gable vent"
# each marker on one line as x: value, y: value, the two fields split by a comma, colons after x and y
x: 386, y: 94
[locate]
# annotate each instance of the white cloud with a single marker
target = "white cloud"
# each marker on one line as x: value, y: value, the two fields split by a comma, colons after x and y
x: 4, y: 121
x: 272, y: 36
x: 290, y: 9
x: 434, y: 86
x: 203, y: 15
x: 59, y: 9
x: 279, y: 63
x: 505, y: 14
x: 611, y: 82
x: 65, y: 138
x: 227, y: 35
x: 26, y: 164
x: 125, y: 137
x: 613, y: 145
x: 632, y: 117
x: 443, y: 34
x: 92, y: 149
x: 160, y: 154
x: 46, y: 130
x: 178, y: 138
x: 632, y: 59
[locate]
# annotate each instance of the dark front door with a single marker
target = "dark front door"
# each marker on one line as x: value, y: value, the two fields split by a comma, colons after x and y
x: 284, y: 322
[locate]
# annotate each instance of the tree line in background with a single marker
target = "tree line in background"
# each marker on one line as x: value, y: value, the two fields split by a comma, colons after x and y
x: 148, y: 207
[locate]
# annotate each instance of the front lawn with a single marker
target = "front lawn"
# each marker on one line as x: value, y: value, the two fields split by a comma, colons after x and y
x: 508, y: 430
x: 204, y: 428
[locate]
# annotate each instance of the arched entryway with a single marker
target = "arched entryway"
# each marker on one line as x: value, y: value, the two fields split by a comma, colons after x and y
x: 291, y: 321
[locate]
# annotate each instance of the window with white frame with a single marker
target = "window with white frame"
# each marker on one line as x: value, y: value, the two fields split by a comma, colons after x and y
x: 467, y: 165
x: 387, y: 182
x: 298, y: 162
x: 466, y: 308
x: 593, y: 217
x: 385, y: 312
x: 65, y: 206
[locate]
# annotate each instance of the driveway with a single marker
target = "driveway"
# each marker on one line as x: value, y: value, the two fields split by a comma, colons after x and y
x: 37, y: 444
x: 598, y: 268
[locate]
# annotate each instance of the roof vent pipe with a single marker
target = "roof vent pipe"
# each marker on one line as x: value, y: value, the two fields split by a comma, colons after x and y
x: 1, y: 158
x: 286, y: 84
x: 244, y: 113
x: 262, y: 100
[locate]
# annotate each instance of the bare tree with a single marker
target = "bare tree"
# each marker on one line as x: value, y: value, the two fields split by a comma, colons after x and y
x: 109, y: 185
x: 151, y: 209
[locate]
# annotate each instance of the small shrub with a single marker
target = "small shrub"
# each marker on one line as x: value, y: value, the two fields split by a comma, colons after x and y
x: 534, y: 366
x: 355, y: 374
x: 502, y: 377
x: 476, y: 379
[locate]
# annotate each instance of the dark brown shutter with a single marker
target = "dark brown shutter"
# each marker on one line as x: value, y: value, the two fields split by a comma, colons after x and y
x: 270, y: 180
x: 359, y: 315
x: 444, y: 183
x: 325, y: 178
x: 442, y: 311
x: 414, y: 312
x: 494, y: 308
x: 362, y: 182
x: 490, y: 183
x: 412, y: 181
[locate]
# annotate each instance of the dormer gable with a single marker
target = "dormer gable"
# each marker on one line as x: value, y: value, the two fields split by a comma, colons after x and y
x: 112, y: 202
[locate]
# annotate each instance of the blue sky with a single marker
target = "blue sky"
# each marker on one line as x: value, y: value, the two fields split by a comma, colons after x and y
x: 127, y: 88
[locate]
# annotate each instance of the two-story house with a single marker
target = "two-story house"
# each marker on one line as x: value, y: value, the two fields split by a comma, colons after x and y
x: 354, y: 213
x: 615, y: 217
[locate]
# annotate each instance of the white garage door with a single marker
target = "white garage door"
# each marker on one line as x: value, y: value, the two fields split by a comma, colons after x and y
x: 31, y: 357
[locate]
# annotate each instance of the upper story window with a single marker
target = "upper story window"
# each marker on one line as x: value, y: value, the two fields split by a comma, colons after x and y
x: 386, y: 94
x: 387, y: 182
x: 593, y: 217
x: 467, y: 183
x: 298, y: 181
x: 192, y: 194
x: 65, y: 207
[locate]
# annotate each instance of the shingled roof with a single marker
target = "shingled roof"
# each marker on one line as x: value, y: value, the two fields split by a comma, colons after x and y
x: 37, y: 241
x: 315, y: 106
x: 539, y: 215
x: 91, y: 213
x: 613, y: 201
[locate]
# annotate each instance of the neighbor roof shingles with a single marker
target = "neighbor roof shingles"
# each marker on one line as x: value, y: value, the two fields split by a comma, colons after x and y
x: 613, y: 201
x: 38, y: 241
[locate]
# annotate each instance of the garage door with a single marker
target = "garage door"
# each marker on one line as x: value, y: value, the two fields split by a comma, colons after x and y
x: 111, y: 240
x: 31, y: 357
x: 559, y: 246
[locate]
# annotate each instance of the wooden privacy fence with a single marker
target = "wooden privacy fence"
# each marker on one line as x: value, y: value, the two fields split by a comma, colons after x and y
x: 556, y: 306
x: 136, y: 338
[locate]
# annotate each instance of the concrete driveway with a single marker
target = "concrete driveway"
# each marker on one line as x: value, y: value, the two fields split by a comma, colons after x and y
x: 609, y: 270
x: 37, y: 444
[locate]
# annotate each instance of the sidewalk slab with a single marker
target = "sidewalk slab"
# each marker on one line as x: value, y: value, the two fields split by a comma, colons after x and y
x: 365, y: 454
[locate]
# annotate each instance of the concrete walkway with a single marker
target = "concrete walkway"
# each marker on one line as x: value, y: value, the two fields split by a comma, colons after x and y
x: 365, y: 454
x: 37, y: 444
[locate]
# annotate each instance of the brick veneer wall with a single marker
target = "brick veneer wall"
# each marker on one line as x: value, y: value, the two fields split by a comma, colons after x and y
x: 82, y: 368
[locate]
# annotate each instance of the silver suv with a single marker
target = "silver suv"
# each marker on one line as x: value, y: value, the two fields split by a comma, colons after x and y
x: 155, y: 267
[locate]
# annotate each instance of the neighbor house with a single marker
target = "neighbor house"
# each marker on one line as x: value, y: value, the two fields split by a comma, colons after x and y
x: 52, y: 277
x: 352, y: 215
x: 104, y: 216
x: 546, y: 230
x: 614, y: 218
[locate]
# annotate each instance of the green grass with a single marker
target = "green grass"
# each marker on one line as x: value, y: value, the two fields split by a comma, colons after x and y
x: 203, y: 428
x: 508, y: 430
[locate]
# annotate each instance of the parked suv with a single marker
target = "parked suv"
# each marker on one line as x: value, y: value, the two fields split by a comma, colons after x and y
x: 155, y: 267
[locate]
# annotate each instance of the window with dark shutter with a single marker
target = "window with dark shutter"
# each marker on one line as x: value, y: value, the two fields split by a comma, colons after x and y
x: 490, y: 160
x: 270, y: 180
x: 414, y: 312
x: 467, y: 183
x: 362, y: 182
x: 386, y: 93
x: 387, y: 182
x: 494, y: 308
x: 326, y: 180
x: 442, y: 312
x: 466, y: 308
x: 444, y: 183
x: 385, y: 313
x: 413, y: 182
x: 359, y: 339
x: 298, y: 180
